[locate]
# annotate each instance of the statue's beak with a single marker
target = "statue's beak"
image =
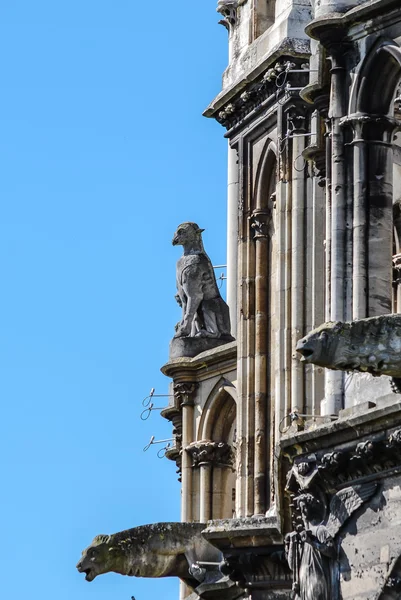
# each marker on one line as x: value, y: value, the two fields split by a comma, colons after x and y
x: 174, y: 241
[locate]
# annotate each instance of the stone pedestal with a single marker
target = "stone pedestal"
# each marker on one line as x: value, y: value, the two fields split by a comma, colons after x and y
x: 192, y: 346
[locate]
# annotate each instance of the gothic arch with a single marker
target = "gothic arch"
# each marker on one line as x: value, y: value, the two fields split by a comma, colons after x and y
x: 219, y: 413
x: 265, y: 181
x: 380, y: 70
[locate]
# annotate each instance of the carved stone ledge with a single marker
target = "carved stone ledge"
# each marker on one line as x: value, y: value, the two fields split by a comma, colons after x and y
x: 274, y: 84
x: 212, y: 453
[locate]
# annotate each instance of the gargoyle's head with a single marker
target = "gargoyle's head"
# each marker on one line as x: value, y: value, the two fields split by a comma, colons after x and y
x: 187, y: 233
x: 96, y: 558
x: 327, y: 346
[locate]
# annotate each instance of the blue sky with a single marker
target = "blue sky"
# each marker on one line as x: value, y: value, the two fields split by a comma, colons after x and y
x: 103, y: 153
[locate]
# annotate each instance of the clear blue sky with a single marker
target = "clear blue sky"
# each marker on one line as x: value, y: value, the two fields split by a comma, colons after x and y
x: 103, y: 152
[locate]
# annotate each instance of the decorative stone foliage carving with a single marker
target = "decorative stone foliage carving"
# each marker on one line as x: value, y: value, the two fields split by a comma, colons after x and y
x: 184, y: 392
x: 379, y: 456
x: 272, y: 85
x: 214, y: 453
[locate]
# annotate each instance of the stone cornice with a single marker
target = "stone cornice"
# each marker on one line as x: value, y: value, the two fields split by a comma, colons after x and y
x: 278, y: 83
x: 338, y: 23
x: 360, y: 422
x: 244, y: 532
x: 222, y: 358
x: 288, y: 49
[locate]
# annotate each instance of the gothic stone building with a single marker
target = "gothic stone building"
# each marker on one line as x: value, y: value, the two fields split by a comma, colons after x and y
x: 295, y: 468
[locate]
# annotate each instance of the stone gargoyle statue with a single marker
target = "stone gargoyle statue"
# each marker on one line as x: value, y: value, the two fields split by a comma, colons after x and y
x: 313, y: 553
x: 157, y: 550
x: 204, y: 312
x: 371, y: 345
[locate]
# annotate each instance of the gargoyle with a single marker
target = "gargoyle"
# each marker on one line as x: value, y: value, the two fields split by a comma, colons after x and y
x: 157, y: 550
x: 371, y: 345
x: 313, y: 553
x: 204, y: 312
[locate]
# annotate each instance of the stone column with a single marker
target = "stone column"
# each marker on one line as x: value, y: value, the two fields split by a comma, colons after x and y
x: 296, y: 122
x: 334, y: 397
x: 213, y: 459
x: 379, y: 131
x: 360, y: 217
x: 232, y: 237
x: 242, y: 366
x: 259, y: 224
x: 185, y: 392
x: 373, y: 214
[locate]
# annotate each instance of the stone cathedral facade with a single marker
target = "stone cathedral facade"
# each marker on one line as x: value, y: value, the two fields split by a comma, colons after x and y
x: 295, y: 468
x: 287, y: 423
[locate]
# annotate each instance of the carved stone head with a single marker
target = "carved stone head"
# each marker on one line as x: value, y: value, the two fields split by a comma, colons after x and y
x: 96, y: 559
x: 328, y: 346
x: 311, y: 508
x: 187, y: 233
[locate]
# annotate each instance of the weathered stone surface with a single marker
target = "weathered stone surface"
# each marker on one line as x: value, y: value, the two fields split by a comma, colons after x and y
x: 205, y: 321
x: 312, y: 549
x: 157, y: 550
x: 190, y: 347
x: 370, y: 345
x: 215, y: 453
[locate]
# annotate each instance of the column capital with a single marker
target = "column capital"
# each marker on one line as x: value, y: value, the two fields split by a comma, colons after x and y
x: 259, y: 222
x: 184, y: 392
x: 370, y: 127
x: 205, y: 452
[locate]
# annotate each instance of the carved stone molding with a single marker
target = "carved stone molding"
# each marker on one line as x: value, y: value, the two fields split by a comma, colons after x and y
x: 276, y: 82
x: 212, y: 453
x: 377, y: 457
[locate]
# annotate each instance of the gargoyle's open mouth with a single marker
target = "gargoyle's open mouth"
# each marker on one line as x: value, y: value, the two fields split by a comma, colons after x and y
x: 89, y: 575
x: 305, y: 352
